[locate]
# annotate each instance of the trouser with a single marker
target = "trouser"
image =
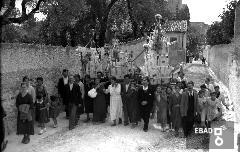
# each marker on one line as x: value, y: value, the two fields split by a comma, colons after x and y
x: 73, y: 114
x: 65, y: 103
x: 145, y: 115
x: 126, y: 116
x: 187, y: 124
x: 67, y: 110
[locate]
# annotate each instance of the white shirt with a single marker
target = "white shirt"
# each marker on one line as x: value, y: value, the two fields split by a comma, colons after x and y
x: 81, y: 85
x: 127, y: 85
x: 181, y: 79
x: 145, y: 88
x: 32, y: 92
x: 190, y: 93
x: 71, y: 86
x: 65, y: 80
x: 181, y: 91
x: 210, y: 87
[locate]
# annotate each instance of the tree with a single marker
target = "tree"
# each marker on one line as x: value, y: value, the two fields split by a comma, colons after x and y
x: 194, y: 40
x: 184, y: 14
x: 227, y: 23
x: 62, y: 17
x: 222, y: 32
x: 214, y: 34
x: 100, y: 10
x: 9, y: 7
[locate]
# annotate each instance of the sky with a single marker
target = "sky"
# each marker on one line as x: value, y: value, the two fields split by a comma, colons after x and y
x: 205, y: 10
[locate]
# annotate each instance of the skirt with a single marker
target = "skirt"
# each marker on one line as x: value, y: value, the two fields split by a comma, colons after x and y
x: 42, y: 115
x: 25, y: 127
x: 54, y: 112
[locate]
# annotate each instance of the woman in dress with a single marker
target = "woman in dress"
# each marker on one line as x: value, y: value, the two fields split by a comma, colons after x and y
x: 115, y: 101
x: 175, y: 110
x: 99, y: 104
x: 161, y: 106
x: 88, y: 102
x: 24, y: 104
x: 41, y: 90
x: 54, y: 110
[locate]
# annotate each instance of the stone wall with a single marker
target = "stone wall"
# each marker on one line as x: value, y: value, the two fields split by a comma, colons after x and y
x: 48, y: 62
x: 19, y: 60
x: 219, y: 59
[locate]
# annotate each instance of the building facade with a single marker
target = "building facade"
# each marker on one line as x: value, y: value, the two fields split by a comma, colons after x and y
x: 201, y: 26
x: 174, y: 6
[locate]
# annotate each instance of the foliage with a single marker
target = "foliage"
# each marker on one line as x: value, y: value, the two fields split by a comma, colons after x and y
x: 27, y: 32
x: 222, y: 32
x: 184, y: 14
x: 11, y: 33
x: 8, y: 8
x: 70, y: 22
x: 61, y: 16
x: 214, y: 34
x: 194, y: 40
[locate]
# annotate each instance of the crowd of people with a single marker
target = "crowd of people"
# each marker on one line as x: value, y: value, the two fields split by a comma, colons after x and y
x: 175, y: 105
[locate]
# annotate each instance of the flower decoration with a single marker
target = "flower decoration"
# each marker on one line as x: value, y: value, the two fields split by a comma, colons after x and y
x: 158, y: 18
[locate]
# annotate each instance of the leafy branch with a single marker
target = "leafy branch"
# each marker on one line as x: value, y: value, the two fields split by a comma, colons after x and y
x: 7, y: 19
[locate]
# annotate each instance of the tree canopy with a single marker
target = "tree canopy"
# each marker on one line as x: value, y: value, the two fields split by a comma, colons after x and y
x: 222, y: 32
x: 70, y: 22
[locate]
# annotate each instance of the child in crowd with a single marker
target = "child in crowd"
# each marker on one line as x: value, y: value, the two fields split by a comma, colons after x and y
x: 41, y: 90
x: 41, y: 107
x: 161, y: 106
x: 203, y: 106
x: 205, y: 90
x: 212, y: 112
x: 54, y: 110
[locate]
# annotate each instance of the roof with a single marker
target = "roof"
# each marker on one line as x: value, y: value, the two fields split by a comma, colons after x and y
x: 176, y: 26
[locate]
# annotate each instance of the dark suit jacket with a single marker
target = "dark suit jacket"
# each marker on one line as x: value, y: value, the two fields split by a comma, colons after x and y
x: 74, y: 96
x: 146, y: 96
x: 62, y: 88
x: 124, y: 93
x: 184, y: 103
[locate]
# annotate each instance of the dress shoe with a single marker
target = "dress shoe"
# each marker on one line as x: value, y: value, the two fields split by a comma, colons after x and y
x: 145, y: 129
x: 120, y: 121
x: 24, y: 139
x: 114, y: 123
x: 27, y: 140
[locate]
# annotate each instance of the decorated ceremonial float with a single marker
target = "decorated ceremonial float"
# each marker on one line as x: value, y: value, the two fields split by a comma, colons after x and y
x: 164, y: 52
x: 110, y: 59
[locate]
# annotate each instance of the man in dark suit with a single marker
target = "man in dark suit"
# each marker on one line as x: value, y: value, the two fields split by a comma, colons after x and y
x: 189, y: 108
x: 62, y: 83
x: 74, y: 97
x: 124, y: 91
x: 145, y: 98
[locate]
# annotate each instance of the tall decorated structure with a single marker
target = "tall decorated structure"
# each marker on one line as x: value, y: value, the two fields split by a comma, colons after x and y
x: 165, y: 49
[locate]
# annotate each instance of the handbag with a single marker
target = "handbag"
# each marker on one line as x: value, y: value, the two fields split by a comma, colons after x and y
x: 92, y: 93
